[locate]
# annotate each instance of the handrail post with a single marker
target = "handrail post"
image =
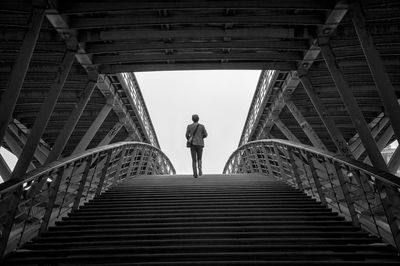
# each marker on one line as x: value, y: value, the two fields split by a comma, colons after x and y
x: 258, y: 161
x: 82, y: 183
x: 52, y: 198
x: 316, y: 179
x: 267, y: 161
x: 120, y: 162
x: 103, y: 173
x: 346, y: 194
x: 279, y: 161
x: 295, y: 169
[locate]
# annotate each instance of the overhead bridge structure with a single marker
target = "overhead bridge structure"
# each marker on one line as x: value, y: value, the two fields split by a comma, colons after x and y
x: 307, y: 184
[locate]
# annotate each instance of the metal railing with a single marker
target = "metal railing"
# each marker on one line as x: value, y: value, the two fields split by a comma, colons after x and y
x: 364, y: 195
x: 30, y: 204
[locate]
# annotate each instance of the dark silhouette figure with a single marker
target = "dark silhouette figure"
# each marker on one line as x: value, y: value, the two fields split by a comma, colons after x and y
x: 196, y: 133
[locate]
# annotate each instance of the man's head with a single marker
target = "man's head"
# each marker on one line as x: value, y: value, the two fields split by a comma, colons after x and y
x: 195, y: 118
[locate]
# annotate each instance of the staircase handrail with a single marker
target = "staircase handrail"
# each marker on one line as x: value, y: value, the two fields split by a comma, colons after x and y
x: 10, y: 184
x: 380, y: 174
x: 31, y: 203
x: 367, y: 196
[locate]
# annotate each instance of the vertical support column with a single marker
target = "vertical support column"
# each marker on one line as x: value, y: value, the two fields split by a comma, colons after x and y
x: 18, y: 72
x: 73, y: 119
x: 286, y: 131
x: 316, y: 179
x: 352, y: 107
x: 377, y: 67
x: 44, y: 115
x: 308, y: 130
x: 346, y: 194
x: 87, y: 138
x: 330, y: 125
x: 111, y: 134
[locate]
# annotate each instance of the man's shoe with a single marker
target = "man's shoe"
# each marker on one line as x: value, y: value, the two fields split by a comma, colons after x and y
x: 200, y: 172
x: 195, y: 176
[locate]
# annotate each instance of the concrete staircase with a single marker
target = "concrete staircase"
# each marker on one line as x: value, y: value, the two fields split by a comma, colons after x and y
x: 212, y: 220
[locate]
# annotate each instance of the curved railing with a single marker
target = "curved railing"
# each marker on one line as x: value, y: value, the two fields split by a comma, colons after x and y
x: 30, y: 204
x: 368, y: 197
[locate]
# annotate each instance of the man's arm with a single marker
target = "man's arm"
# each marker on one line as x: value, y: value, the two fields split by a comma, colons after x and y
x: 187, y: 133
x: 204, y: 132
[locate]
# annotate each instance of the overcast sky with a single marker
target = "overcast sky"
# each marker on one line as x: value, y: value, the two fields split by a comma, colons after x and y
x: 221, y: 98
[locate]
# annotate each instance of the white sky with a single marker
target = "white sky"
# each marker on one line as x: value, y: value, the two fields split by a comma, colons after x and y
x: 220, y: 97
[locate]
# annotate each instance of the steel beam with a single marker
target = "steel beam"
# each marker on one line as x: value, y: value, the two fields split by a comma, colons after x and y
x: 196, y: 65
x: 5, y: 171
x: 91, y: 132
x: 305, y: 126
x: 110, y: 92
x: 111, y: 134
x: 394, y: 162
x: 141, y: 57
x: 382, y: 142
x: 40, y: 151
x: 110, y: 7
x: 355, y: 141
x: 328, y: 121
x: 288, y: 87
x: 118, y: 21
x: 210, y: 33
x: 352, y: 107
x: 272, y: 44
x: 17, y: 76
x: 44, y: 115
x: 374, y: 132
x: 73, y: 119
x: 332, y: 21
x: 131, y: 87
x: 286, y: 131
x: 381, y: 78
x: 15, y: 148
x: 106, y: 88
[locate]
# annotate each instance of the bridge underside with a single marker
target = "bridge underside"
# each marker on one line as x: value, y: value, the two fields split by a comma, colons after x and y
x: 105, y: 38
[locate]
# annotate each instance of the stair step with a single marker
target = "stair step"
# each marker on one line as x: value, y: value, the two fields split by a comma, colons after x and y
x: 161, y: 224
x: 226, y: 220
x: 211, y: 256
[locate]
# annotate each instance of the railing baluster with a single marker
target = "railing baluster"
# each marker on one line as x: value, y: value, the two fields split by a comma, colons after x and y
x: 279, y: 162
x: 52, y: 198
x: 316, y: 179
x: 371, y: 197
x: 82, y: 183
x: 103, y: 173
x: 295, y: 169
x: 346, y: 194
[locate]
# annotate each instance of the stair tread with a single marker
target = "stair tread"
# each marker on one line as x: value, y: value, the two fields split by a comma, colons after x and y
x: 163, y: 220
